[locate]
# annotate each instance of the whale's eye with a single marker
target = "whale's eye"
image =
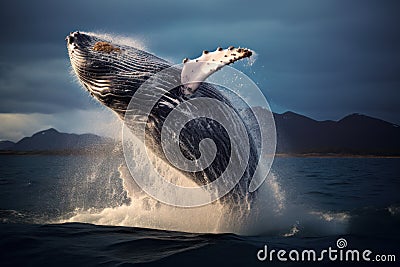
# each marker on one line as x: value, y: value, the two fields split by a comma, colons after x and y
x: 105, y: 47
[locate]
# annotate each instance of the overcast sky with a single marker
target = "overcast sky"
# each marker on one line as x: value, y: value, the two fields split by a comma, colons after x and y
x: 323, y: 59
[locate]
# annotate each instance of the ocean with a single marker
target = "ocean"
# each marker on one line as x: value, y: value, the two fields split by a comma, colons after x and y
x: 58, y: 210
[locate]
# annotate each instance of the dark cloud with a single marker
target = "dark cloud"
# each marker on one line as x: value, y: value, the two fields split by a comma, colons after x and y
x: 321, y: 58
x: 39, y: 86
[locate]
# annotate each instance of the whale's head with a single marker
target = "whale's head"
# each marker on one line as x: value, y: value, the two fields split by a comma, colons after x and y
x: 111, y: 72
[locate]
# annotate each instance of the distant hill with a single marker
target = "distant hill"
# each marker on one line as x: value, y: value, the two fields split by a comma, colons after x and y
x: 53, y: 140
x: 4, y: 145
x: 354, y: 134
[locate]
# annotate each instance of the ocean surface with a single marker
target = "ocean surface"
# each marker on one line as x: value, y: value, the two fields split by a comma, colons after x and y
x: 73, y: 211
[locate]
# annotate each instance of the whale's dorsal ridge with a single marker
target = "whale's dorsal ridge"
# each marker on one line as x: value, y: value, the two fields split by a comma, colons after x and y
x: 197, y: 70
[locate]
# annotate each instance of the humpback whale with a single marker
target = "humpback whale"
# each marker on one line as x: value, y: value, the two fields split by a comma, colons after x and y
x: 114, y: 72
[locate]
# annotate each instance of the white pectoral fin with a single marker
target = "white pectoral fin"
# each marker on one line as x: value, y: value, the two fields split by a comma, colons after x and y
x: 197, y: 70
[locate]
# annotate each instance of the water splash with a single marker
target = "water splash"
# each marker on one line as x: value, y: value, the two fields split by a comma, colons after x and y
x: 147, y: 212
x: 269, y: 214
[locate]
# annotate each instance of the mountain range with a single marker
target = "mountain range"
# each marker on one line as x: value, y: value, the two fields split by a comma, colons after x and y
x: 355, y: 134
x: 53, y: 140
